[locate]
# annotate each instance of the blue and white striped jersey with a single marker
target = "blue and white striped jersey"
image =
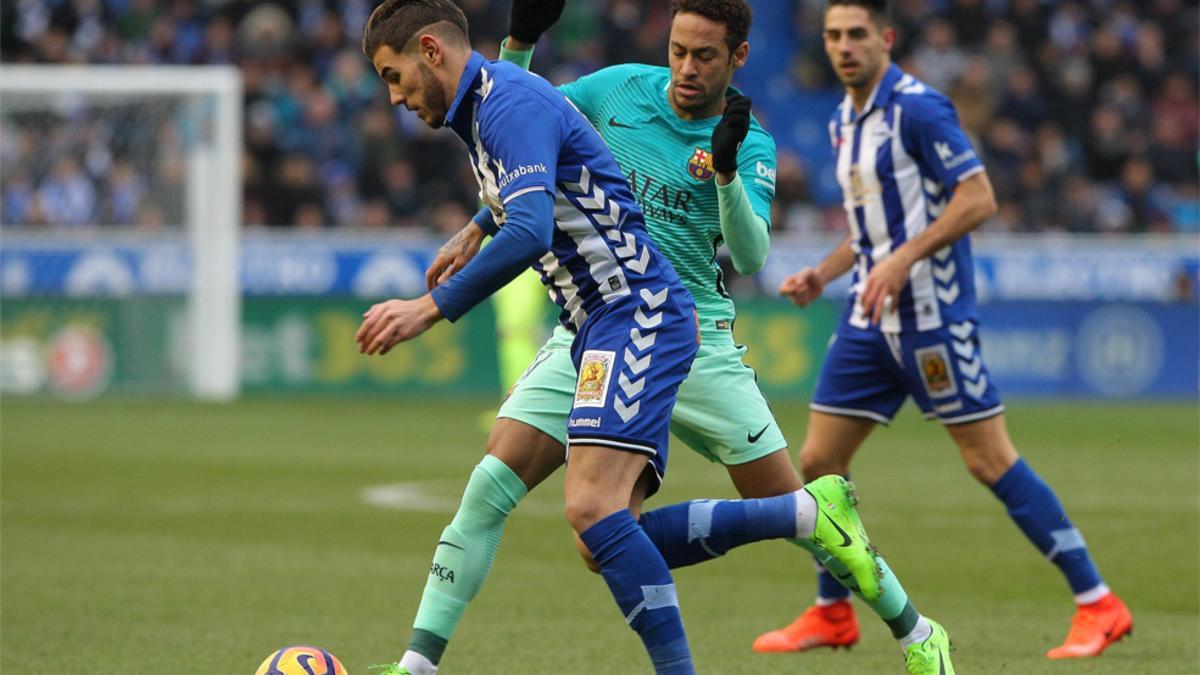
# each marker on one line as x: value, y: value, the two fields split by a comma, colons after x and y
x: 524, y: 136
x: 898, y: 162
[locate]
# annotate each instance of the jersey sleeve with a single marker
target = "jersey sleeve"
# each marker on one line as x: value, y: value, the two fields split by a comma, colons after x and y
x: 756, y: 166
x: 588, y: 92
x: 931, y: 133
x: 521, y: 133
x: 522, y: 240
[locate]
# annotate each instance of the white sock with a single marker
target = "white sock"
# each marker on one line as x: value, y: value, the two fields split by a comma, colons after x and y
x: 806, y: 514
x: 1088, y: 597
x: 919, y: 633
x: 417, y: 664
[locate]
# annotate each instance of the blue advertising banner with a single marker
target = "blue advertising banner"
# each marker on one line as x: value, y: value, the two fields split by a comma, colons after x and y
x: 273, y: 264
x: 270, y: 266
x: 1040, y: 268
x: 1093, y: 349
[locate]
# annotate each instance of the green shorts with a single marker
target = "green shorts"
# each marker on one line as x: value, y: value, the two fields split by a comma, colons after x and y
x: 719, y: 411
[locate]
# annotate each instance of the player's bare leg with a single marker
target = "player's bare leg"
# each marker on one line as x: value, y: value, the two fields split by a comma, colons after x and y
x: 1100, y: 618
x: 597, y: 491
x: 767, y: 476
x: 528, y: 452
x: 636, y: 500
x: 830, y: 442
x: 985, y: 447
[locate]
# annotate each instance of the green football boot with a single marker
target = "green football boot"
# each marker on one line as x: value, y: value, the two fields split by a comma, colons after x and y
x: 840, y: 533
x: 931, y: 656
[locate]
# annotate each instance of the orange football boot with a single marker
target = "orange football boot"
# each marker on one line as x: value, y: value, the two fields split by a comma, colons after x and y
x: 1094, y: 628
x: 833, y: 625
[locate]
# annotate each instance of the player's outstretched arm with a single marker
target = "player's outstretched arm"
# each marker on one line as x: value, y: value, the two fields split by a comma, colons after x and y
x: 973, y: 203
x: 807, y: 285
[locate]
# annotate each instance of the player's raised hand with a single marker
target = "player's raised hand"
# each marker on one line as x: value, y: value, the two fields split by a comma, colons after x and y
x: 454, y: 255
x: 884, y: 284
x: 802, y: 287
x: 531, y: 18
x: 729, y: 133
x: 387, y: 324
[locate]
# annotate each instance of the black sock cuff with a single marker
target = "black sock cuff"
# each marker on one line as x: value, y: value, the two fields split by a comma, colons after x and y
x: 902, y: 625
x: 428, y: 645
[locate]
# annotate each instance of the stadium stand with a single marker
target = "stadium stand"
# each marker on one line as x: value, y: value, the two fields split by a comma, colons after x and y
x: 1085, y: 111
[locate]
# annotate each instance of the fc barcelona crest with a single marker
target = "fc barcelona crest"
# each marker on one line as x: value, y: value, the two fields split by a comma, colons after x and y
x: 700, y: 165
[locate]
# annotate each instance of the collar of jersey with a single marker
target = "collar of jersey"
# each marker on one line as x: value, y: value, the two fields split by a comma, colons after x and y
x: 465, y: 82
x: 880, y: 97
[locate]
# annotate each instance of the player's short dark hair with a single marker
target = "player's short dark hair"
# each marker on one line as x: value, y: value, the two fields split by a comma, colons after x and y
x: 395, y: 22
x: 878, y: 9
x: 735, y: 14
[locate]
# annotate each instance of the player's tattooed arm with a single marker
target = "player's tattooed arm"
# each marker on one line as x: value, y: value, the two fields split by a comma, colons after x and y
x: 454, y: 255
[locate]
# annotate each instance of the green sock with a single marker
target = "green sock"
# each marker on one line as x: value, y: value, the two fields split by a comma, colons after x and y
x: 464, y: 554
x: 892, y: 605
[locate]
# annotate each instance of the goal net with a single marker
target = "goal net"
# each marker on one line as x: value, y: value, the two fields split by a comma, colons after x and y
x: 120, y: 208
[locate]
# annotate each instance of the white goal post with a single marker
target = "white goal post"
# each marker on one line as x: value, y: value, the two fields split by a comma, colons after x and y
x: 212, y: 206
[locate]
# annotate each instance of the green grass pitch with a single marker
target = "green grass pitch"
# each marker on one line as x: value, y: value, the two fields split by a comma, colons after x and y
x: 166, y: 537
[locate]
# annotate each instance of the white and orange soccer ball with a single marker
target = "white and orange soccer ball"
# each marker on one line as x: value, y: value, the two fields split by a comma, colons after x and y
x: 301, y: 660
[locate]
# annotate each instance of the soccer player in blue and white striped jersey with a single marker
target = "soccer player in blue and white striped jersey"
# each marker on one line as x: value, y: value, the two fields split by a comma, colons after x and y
x: 557, y: 201
x: 913, y: 188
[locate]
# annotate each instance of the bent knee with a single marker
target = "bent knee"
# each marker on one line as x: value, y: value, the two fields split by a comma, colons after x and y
x: 987, y: 467
x: 589, y: 561
x: 584, y: 553
x: 583, y: 511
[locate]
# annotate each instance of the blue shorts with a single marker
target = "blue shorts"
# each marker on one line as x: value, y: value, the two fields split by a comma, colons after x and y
x: 868, y: 373
x: 631, y: 357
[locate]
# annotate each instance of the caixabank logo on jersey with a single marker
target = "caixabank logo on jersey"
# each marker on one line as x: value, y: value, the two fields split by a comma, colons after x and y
x: 700, y: 165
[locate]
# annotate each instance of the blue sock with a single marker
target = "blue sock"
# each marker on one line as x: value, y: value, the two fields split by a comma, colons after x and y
x: 641, y: 584
x: 829, y: 588
x: 1036, y: 510
x: 693, y: 532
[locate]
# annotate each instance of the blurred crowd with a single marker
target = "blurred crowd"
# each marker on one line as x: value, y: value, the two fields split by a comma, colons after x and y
x: 1085, y: 111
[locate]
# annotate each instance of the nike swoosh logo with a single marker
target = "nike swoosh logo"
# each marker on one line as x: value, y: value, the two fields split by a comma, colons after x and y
x: 848, y: 581
x: 753, y: 438
x: 612, y: 122
x: 304, y: 660
x: 845, y: 537
x: 446, y: 543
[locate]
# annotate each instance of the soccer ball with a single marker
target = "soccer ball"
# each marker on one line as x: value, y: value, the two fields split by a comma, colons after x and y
x: 301, y: 660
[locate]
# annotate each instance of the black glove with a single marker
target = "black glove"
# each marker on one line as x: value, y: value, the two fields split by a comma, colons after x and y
x: 531, y: 18
x: 729, y: 133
